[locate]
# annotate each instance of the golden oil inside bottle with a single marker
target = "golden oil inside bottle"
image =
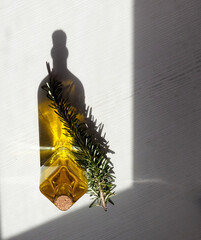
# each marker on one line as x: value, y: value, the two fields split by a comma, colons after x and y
x: 62, y: 181
x: 60, y: 177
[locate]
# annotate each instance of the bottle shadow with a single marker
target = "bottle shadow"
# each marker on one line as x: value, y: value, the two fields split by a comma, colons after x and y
x: 73, y: 89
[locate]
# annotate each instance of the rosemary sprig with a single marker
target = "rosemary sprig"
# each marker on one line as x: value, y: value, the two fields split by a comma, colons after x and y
x: 90, y: 148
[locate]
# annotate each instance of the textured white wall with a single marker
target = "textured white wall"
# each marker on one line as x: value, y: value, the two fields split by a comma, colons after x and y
x: 99, y: 40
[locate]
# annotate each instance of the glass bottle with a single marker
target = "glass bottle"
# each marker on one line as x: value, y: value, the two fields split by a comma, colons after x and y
x: 62, y: 181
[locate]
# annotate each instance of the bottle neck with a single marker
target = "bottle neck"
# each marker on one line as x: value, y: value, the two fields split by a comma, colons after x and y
x: 63, y: 192
x: 63, y: 189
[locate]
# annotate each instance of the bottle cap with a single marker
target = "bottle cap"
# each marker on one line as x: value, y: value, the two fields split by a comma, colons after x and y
x: 63, y: 202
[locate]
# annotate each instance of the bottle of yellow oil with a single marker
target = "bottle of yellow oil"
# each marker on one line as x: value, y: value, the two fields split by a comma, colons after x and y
x: 62, y: 180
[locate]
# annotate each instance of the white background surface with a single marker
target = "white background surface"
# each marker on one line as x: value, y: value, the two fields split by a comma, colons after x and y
x: 99, y: 40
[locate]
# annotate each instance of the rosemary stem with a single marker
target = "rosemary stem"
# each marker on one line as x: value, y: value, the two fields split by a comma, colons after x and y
x: 102, y: 197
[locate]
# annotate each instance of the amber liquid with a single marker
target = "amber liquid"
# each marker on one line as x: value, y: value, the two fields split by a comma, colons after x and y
x: 60, y: 174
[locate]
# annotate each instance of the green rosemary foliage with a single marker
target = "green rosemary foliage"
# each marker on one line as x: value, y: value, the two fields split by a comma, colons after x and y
x: 90, y: 148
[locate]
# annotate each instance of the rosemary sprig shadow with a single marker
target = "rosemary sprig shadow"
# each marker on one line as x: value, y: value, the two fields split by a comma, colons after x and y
x: 89, y: 146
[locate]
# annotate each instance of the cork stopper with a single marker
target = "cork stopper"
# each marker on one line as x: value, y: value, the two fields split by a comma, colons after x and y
x: 63, y: 202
